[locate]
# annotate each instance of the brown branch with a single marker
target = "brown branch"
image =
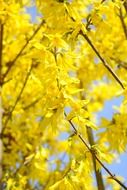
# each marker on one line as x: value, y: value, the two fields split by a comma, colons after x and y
x: 1, y: 48
x: 125, y: 5
x: 98, y: 173
x: 22, y: 49
x: 97, y: 159
x: 119, y: 63
x: 123, y: 65
x: 122, y: 22
x: 19, y: 96
x: 107, y: 66
x: 1, y: 106
x: 32, y: 104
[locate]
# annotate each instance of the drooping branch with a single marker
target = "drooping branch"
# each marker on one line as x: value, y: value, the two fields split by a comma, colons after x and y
x: 95, y: 156
x: 22, y: 49
x: 107, y: 66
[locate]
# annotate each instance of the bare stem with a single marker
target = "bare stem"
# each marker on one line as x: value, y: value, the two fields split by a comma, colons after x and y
x: 98, y: 174
x: 125, y: 5
x: 1, y: 107
x: 31, y: 104
x: 1, y: 143
x: 99, y: 178
x: 1, y: 47
x: 123, y: 23
x: 107, y: 66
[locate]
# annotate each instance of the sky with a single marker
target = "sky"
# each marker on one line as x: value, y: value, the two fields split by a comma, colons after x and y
x: 118, y: 167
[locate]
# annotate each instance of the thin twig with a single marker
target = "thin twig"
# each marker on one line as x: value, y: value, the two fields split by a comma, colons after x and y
x: 1, y: 106
x: 22, y: 49
x: 92, y: 152
x: 98, y: 54
x: 122, y: 22
x: 1, y: 48
x: 102, y: 59
x: 32, y: 104
x: 19, y: 96
x: 119, y: 63
x: 125, y: 5
x: 123, y: 65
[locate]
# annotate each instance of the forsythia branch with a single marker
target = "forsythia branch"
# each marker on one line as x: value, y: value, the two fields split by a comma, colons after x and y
x: 125, y: 5
x: 97, y: 159
x: 31, y: 104
x: 123, y: 23
x: 22, y: 49
x: 102, y: 59
x: 1, y: 106
x: 19, y: 96
x: 1, y: 47
x: 98, y: 173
